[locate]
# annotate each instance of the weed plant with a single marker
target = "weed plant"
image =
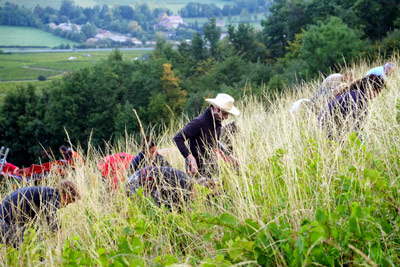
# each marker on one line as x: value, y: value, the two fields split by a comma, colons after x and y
x: 298, y: 199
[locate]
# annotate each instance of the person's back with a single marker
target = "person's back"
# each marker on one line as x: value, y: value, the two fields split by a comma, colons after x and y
x: 382, y: 71
x: 113, y: 168
x: 350, y: 109
x: 202, y: 134
x: 25, y: 204
x: 149, y: 156
x: 379, y: 71
x: 165, y: 184
x: 34, y: 206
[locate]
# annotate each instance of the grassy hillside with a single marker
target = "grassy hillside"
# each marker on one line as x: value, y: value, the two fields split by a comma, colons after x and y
x: 23, y: 36
x: 297, y: 200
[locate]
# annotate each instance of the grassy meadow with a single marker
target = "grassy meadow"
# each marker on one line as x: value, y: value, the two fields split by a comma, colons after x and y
x: 25, y: 36
x: 298, y: 199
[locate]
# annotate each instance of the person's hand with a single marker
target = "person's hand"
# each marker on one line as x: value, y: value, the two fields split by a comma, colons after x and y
x: 235, y: 161
x: 192, y: 164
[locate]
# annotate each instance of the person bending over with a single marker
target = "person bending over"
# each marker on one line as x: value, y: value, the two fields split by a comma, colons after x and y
x: 36, y: 206
x: 149, y: 156
x: 166, y: 185
x: 203, y: 134
x: 347, y: 112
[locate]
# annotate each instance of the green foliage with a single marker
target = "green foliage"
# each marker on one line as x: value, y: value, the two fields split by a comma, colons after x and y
x: 41, y: 78
x: 212, y: 34
x: 330, y: 44
x: 22, y: 124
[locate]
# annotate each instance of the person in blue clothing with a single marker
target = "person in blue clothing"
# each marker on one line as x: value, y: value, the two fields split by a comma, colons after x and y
x: 33, y: 206
x: 348, y: 111
x: 382, y: 71
x: 148, y: 156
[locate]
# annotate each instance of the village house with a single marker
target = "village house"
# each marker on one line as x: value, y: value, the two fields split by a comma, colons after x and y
x: 104, y: 34
x: 170, y: 22
x: 65, y: 27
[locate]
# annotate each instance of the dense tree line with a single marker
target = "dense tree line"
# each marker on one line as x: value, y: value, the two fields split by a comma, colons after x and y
x: 97, y: 102
x: 237, y: 7
x: 125, y: 19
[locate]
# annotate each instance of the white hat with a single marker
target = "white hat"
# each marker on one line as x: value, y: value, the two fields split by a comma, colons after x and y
x: 225, y: 103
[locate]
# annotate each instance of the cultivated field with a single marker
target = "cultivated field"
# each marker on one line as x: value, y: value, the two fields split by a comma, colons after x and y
x: 298, y: 199
x: 24, y: 36
x: 27, y: 66
x: 21, y: 68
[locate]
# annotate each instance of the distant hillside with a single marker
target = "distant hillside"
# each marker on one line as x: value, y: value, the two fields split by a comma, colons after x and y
x: 173, y: 5
x: 23, y: 36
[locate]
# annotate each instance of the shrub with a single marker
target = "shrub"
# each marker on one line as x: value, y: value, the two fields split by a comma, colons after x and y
x: 41, y: 78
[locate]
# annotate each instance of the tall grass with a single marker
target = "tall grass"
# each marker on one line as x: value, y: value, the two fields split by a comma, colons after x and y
x: 289, y: 172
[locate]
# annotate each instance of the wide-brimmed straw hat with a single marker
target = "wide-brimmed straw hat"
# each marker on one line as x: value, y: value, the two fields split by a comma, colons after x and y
x: 225, y: 103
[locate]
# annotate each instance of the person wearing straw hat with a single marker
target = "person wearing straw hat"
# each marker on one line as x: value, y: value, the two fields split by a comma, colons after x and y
x: 203, y: 134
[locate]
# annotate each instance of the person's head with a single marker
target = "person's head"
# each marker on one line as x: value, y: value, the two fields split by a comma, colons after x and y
x: 69, y: 192
x: 348, y: 76
x: 389, y: 68
x: 149, y: 146
x: 66, y: 152
x: 222, y: 106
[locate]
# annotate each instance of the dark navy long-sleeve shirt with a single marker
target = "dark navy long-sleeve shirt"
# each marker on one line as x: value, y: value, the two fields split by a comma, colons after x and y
x: 202, y: 132
x: 28, y: 203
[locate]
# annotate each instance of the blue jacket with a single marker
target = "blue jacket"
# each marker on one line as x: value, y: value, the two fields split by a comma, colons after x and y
x: 25, y: 204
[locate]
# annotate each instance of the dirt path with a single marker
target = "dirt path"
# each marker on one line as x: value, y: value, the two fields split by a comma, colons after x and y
x: 44, y: 69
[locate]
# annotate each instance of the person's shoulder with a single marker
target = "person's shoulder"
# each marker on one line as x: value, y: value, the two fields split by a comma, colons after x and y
x: 376, y: 70
x: 334, y: 76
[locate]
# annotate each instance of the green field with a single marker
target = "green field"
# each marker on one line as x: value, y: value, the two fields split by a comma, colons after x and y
x: 173, y: 5
x: 22, y: 36
x: 21, y: 68
x: 27, y: 66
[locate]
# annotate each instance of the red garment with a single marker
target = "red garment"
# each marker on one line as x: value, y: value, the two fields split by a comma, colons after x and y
x: 76, y: 157
x: 113, y: 167
x: 9, y: 168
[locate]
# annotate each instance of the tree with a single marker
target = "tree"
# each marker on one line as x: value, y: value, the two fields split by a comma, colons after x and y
x: 22, y: 126
x: 376, y: 17
x: 197, y: 48
x: 212, y: 34
x: 176, y: 97
x: 89, y: 30
x: 325, y: 46
x: 244, y: 41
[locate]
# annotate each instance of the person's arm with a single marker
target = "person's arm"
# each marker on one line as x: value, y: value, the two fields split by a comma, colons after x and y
x: 51, y: 215
x: 193, y: 129
x: 134, y: 166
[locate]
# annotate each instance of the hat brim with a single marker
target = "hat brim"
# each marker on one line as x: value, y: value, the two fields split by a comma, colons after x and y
x: 233, y: 110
